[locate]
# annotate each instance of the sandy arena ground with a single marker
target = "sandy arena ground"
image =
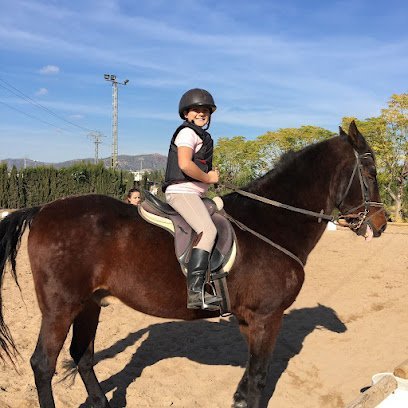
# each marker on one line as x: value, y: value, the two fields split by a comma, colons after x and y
x: 348, y: 323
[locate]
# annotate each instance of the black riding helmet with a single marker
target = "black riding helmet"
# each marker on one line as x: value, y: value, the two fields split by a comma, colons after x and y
x: 196, y: 97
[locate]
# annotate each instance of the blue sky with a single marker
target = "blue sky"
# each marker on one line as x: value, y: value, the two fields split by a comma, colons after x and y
x: 269, y: 64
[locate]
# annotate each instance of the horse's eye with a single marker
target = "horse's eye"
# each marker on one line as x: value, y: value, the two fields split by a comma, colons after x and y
x: 371, y: 172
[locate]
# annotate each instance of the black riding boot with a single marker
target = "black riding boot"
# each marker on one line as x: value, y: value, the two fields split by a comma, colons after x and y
x: 196, y: 279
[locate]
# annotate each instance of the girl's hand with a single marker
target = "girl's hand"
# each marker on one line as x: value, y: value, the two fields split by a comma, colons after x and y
x: 213, y: 176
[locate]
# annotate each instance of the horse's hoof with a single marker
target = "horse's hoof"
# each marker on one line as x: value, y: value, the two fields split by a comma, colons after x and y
x: 239, y: 404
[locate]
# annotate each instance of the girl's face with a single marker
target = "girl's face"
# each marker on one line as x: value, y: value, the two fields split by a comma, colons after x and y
x: 199, y: 115
x: 135, y: 198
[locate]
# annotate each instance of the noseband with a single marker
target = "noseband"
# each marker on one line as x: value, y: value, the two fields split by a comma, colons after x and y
x: 361, y: 217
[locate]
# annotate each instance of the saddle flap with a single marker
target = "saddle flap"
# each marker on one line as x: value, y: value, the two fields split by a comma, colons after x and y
x: 173, y: 223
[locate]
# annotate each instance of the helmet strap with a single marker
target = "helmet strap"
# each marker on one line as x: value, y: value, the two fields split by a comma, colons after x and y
x: 209, y: 122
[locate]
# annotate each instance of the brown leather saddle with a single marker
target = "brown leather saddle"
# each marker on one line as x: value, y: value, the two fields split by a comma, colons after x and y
x: 156, y: 212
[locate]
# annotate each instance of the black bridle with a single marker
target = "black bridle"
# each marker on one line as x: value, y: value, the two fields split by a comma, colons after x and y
x: 360, y: 218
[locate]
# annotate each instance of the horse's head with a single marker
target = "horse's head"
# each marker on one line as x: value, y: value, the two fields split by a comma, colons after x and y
x: 326, y: 317
x: 358, y: 198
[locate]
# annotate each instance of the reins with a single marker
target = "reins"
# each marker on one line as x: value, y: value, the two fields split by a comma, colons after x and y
x: 321, y: 216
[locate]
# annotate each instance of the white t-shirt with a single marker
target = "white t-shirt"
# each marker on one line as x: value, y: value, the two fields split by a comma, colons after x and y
x: 188, y: 138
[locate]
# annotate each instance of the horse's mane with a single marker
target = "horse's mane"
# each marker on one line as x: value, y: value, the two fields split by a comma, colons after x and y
x: 288, y: 160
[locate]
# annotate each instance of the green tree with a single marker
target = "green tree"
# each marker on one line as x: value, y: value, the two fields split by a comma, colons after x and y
x: 237, y: 159
x: 13, y: 189
x: 3, y: 186
x: 35, y: 186
x: 31, y: 186
x: 274, y: 144
x: 396, y: 117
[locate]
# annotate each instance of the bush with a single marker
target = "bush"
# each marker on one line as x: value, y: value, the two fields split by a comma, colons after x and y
x: 35, y: 186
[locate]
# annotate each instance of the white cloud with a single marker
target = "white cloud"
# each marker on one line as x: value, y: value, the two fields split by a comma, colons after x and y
x: 49, y: 70
x: 41, y: 92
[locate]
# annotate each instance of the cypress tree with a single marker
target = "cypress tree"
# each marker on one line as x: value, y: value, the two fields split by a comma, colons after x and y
x: 21, y: 193
x: 3, y: 186
x: 13, y: 200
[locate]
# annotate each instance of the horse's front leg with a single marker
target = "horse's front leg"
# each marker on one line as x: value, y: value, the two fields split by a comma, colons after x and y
x: 261, y: 332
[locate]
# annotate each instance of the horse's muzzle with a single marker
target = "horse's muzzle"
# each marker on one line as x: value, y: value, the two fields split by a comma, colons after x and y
x: 368, y: 229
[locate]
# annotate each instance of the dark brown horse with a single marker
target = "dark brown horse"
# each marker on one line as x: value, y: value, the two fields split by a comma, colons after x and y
x: 80, y: 245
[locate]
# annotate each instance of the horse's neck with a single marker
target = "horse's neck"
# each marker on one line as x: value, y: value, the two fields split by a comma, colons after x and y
x: 304, y: 183
x: 306, y: 180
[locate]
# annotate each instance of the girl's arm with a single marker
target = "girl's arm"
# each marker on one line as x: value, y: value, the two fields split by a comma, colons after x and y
x: 187, y: 166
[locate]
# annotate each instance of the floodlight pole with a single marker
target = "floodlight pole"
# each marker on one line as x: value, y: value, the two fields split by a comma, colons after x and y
x: 112, y: 78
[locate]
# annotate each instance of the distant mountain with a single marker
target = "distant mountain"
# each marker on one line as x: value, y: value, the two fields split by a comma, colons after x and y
x: 153, y: 161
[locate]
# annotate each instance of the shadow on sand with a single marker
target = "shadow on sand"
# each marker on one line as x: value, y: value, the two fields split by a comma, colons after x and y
x: 224, y: 345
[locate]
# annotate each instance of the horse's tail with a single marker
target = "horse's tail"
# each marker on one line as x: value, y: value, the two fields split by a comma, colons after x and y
x: 12, y: 228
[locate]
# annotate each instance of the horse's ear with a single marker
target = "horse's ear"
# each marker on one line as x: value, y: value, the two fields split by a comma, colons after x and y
x: 353, y: 126
x: 356, y: 139
x: 342, y: 133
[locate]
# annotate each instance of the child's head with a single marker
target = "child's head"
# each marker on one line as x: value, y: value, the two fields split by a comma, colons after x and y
x: 196, y: 106
x: 133, y: 196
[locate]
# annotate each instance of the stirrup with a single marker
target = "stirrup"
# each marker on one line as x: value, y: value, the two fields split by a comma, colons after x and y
x: 209, y: 303
x: 205, y: 300
x: 212, y: 303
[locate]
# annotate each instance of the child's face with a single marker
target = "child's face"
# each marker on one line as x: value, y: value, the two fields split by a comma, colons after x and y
x: 135, y: 198
x: 199, y: 115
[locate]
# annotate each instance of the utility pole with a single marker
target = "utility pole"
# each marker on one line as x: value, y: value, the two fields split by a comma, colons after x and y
x: 115, y: 83
x: 96, y: 136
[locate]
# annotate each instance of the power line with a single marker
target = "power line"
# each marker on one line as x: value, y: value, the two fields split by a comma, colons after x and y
x: 31, y: 116
x: 95, y: 135
x: 35, y: 103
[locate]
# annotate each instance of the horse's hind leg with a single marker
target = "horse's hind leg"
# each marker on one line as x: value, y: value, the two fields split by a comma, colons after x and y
x: 82, y: 351
x: 261, y: 333
x: 52, y: 335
